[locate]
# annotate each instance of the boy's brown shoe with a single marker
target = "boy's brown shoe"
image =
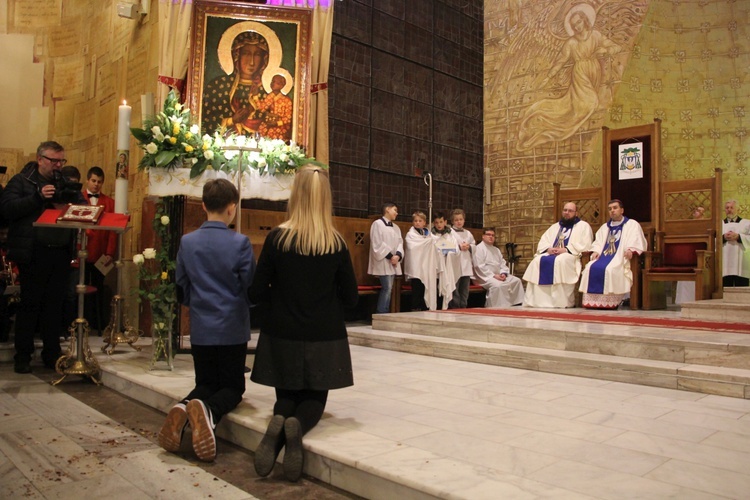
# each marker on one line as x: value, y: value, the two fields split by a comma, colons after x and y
x: 170, y: 435
x: 202, y: 423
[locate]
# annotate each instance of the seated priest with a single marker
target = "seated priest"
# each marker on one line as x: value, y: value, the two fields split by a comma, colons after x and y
x: 736, y: 247
x: 552, y: 275
x: 491, y: 270
x: 607, y: 278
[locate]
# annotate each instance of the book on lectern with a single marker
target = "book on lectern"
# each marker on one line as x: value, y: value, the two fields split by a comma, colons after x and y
x: 82, y: 213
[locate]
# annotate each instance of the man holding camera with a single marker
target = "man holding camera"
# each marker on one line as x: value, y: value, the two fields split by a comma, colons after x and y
x: 43, y: 254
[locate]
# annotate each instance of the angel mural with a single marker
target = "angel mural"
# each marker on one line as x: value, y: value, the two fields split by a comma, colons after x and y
x: 580, y: 63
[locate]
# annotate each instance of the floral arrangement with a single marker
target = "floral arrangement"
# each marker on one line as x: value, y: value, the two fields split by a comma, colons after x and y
x: 170, y: 140
x: 156, y: 274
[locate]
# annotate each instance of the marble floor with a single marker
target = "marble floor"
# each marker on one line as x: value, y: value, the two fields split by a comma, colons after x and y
x: 439, y: 428
x: 79, y: 440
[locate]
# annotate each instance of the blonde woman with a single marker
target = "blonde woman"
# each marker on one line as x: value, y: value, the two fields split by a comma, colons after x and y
x: 303, y: 282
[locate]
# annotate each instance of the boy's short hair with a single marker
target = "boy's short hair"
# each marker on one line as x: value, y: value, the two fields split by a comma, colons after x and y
x: 218, y: 194
x: 458, y: 211
x: 486, y: 229
x: 420, y: 215
x: 437, y: 215
x: 97, y: 171
x: 69, y: 171
x: 388, y: 205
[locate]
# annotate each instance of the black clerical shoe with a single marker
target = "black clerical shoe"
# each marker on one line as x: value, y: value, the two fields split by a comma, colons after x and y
x: 270, y: 446
x: 294, y: 459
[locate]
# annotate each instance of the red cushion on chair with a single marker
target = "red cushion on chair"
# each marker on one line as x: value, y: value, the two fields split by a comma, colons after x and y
x: 682, y: 254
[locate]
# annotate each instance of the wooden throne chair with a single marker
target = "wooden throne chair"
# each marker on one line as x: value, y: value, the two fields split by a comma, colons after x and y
x: 685, y: 246
x: 639, y: 195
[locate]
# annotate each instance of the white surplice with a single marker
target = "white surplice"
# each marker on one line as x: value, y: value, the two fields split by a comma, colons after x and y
x: 567, y: 268
x: 384, y: 240
x: 736, y: 254
x: 425, y: 262
x: 618, y: 276
x: 489, y: 261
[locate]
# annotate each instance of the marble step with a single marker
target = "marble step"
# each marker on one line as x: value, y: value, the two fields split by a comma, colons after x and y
x: 336, y: 455
x: 719, y: 309
x: 733, y: 382
x: 739, y: 295
x: 700, y: 347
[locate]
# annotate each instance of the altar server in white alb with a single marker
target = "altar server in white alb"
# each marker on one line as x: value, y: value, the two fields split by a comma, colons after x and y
x: 386, y: 254
x: 503, y: 289
x: 466, y: 245
x: 449, y: 254
x: 552, y: 275
x: 736, y: 248
x: 607, y: 278
x: 423, y: 264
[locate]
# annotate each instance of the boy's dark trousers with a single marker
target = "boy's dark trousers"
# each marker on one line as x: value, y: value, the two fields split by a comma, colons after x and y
x: 219, y: 377
x: 417, y: 295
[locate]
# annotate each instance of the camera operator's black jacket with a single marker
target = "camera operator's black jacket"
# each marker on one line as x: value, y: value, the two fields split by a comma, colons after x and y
x: 22, y: 204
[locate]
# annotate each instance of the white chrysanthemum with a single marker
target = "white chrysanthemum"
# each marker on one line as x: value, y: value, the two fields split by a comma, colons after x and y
x: 151, y: 148
x: 149, y: 253
x: 164, y: 220
x: 195, y: 129
x: 208, y: 154
x: 138, y: 259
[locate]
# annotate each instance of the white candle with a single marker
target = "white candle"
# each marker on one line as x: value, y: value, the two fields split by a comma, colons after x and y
x: 123, y: 127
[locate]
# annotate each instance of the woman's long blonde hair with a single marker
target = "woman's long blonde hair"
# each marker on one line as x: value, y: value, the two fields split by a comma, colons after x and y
x: 309, y: 228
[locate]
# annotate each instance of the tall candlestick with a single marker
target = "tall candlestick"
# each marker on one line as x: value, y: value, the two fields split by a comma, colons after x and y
x: 123, y: 159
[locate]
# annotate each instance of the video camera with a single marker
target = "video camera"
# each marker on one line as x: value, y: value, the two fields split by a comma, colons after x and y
x: 66, y: 191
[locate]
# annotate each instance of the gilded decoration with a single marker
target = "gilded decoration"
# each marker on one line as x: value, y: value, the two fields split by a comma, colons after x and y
x: 553, y: 72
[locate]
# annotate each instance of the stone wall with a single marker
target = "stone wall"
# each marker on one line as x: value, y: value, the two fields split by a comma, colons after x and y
x: 406, y: 94
x: 546, y: 97
x: 91, y: 60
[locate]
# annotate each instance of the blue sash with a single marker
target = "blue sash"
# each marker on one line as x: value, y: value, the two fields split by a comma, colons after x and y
x: 547, y: 262
x: 598, y: 268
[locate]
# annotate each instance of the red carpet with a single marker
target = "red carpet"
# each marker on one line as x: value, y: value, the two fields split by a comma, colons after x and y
x: 612, y: 317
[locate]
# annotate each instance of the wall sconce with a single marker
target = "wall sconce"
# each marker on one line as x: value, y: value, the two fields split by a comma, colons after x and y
x: 132, y: 10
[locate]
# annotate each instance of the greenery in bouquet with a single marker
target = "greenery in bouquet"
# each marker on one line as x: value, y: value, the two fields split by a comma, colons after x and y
x: 170, y: 140
x: 157, y: 287
x: 267, y: 156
